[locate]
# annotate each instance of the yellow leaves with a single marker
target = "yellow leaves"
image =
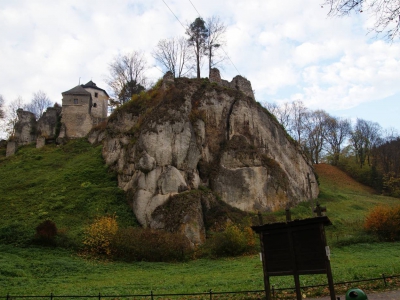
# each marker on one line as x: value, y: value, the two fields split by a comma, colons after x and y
x: 384, y: 221
x: 99, y: 235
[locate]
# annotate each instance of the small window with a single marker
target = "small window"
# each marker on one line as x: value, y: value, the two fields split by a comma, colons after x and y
x: 75, y: 101
x: 96, y: 95
x: 94, y: 104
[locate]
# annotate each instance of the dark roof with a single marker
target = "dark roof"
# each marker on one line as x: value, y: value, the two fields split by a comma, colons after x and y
x: 78, y: 90
x: 283, y: 225
x: 92, y: 85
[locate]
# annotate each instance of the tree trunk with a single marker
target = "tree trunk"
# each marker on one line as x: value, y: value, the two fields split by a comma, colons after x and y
x: 198, y: 66
x: 209, y: 61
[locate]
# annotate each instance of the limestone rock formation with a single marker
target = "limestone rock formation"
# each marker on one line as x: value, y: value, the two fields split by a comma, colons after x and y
x: 191, y: 133
x: 27, y: 130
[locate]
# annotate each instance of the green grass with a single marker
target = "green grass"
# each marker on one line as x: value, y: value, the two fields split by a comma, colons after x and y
x: 69, y: 185
x: 41, y: 271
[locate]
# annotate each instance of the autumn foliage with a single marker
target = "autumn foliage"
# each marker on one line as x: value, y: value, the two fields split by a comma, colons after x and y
x: 46, y: 233
x: 234, y: 240
x: 384, y: 222
x: 99, y: 235
x: 104, y: 238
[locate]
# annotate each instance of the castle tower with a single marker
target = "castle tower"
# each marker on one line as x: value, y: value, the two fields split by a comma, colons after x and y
x: 83, y: 107
x: 99, y: 99
x: 76, y: 112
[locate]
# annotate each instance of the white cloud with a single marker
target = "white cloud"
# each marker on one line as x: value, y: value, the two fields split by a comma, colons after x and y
x: 288, y: 49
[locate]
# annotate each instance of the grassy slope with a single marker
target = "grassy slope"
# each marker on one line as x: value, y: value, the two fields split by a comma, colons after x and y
x: 347, y: 202
x: 71, y: 186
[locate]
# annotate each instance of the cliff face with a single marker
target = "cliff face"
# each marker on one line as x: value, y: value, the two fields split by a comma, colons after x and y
x: 192, y: 133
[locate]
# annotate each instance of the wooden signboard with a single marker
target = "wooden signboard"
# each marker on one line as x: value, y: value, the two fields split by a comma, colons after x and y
x: 295, y: 248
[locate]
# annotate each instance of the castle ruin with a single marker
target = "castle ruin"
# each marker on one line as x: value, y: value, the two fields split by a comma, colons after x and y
x: 83, y: 107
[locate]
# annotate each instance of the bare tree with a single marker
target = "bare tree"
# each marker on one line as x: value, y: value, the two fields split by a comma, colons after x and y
x: 174, y: 55
x: 39, y: 103
x: 315, y: 129
x: 298, y: 119
x: 198, y: 34
x: 2, y: 118
x: 215, y: 40
x: 281, y: 112
x: 337, y: 131
x: 2, y: 113
x: 386, y: 13
x: 11, y: 115
x: 127, y: 75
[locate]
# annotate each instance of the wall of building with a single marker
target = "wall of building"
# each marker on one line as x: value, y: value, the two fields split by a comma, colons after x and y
x: 76, y: 118
x: 99, y: 103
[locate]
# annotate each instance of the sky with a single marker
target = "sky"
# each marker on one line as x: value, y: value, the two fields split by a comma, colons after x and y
x: 289, y: 50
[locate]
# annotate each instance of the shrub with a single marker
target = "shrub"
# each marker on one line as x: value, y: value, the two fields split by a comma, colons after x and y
x: 384, y: 222
x: 232, y: 241
x: 99, y: 235
x: 16, y: 234
x: 46, y: 233
x: 137, y: 244
x: 66, y: 240
x: 391, y: 185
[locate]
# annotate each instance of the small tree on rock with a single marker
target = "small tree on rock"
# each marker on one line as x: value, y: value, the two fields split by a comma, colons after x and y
x: 127, y: 75
x: 198, y: 33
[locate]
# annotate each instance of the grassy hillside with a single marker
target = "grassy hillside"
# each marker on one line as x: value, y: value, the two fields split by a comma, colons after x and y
x: 347, y: 202
x: 69, y: 185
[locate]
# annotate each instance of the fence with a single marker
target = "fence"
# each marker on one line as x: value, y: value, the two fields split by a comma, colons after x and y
x: 206, y: 295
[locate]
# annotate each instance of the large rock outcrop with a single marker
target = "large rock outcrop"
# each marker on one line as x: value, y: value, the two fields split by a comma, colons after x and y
x: 191, y: 133
x: 28, y: 130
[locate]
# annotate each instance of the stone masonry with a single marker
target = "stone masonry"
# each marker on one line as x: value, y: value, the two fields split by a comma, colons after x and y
x: 239, y: 83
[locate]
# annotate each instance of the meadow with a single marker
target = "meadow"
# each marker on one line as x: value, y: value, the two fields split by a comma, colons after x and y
x: 71, y: 185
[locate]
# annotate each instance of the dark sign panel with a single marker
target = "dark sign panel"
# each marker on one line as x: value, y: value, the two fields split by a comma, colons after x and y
x: 295, y: 248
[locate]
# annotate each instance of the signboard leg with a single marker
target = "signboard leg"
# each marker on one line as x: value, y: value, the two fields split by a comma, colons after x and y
x: 267, y: 288
x: 330, y: 282
x: 297, y: 284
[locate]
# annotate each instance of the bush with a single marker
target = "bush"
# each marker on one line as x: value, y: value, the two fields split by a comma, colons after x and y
x: 232, y: 241
x: 391, y: 185
x: 46, y: 230
x: 137, y: 244
x: 99, y: 235
x: 384, y: 222
x: 46, y: 233
x: 16, y: 234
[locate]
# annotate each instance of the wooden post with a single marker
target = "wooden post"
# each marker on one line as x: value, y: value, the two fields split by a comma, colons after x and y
x: 311, y: 195
x: 260, y: 218
x: 294, y: 265
x: 288, y: 214
x: 267, y: 284
x: 328, y: 265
